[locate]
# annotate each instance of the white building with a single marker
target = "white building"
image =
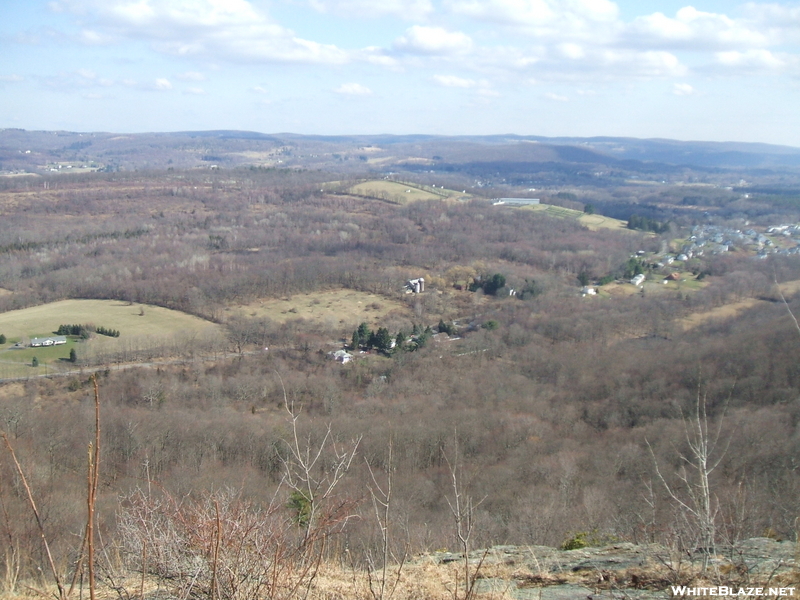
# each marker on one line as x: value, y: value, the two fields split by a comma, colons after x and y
x: 638, y: 280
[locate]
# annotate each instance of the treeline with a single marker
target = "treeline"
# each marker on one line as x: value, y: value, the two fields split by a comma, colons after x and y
x: 86, y: 331
x: 647, y: 224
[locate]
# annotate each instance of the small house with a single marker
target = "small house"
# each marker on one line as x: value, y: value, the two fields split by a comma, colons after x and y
x: 57, y: 340
x: 342, y: 356
x: 638, y: 280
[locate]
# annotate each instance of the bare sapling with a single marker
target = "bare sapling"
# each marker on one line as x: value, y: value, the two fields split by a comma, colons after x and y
x: 463, y: 508
x: 384, y: 587
x: 304, y: 473
x: 62, y: 592
x: 698, y: 504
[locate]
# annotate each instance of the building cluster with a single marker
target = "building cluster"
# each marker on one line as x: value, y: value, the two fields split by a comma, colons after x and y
x: 717, y: 239
x: 415, y: 286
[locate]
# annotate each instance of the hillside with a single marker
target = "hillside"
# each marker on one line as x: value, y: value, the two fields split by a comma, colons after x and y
x: 503, y: 402
x: 60, y: 151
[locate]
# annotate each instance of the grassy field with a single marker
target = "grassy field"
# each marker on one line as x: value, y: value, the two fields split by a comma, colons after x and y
x: 593, y: 222
x: 334, y: 309
x: 134, y: 321
x: 731, y: 310
x: 402, y: 193
x: 720, y: 313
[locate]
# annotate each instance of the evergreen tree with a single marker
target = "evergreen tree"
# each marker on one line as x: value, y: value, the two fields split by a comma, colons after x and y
x: 73, y: 356
x: 383, y: 339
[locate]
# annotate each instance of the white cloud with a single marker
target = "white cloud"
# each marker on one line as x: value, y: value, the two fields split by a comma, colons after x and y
x: 94, y: 38
x: 191, y: 76
x: 599, y: 64
x: 409, y: 10
x: 781, y: 22
x: 259, y: 90
x: 232, y: 30
x: 353, y: 89
x: 11, y: 78
x: 572, y: 51
x: 693, y: 29
x: 480, y: 87
x: 419, y: 39
x: 756, y: 60
x: 556, y: 97
x: 195, y: 91
x: 162, y: 84
x: 682, y: 89
x: 453, y: 81
x: 551, y: 19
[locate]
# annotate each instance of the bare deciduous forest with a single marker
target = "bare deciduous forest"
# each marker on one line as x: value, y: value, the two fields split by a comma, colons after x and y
x: 551, y: 416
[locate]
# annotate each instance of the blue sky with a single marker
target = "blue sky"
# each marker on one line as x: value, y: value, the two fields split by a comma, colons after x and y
x: 712, y: 70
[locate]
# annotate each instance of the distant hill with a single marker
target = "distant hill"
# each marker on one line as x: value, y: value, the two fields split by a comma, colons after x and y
x: 57, y: 151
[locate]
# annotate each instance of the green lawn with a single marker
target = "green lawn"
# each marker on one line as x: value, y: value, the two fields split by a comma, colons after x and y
x: 136, y: 322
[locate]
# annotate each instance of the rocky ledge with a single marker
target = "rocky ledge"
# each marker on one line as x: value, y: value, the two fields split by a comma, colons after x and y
x: 624, y: 570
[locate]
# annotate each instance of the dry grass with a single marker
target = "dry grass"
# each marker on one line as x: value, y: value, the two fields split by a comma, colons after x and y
x: 720, y: 313
x: 334, y: 309
x: 403, y: 193
x: 592, y: 222
x: 728, y: 311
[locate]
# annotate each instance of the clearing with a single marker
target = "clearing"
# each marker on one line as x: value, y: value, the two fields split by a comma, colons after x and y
x: 403, y: 193
x: 335, y: 309
x: 138, y: 324
x: 733, y: 309
x: 592, y: 222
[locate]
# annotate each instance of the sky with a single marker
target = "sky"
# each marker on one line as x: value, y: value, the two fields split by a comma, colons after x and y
x: 712, y: 70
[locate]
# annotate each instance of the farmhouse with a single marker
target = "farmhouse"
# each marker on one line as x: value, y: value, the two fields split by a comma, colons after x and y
x: 48, y: 341
x: 638, y: 280
x: 342, y: 356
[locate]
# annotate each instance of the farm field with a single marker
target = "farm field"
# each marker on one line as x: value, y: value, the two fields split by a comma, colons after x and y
x: 402, y: 193
x: 136, y: 323
x: 592, y: 222
x: 334, y: 309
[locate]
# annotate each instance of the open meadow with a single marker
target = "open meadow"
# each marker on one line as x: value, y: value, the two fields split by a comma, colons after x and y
x: 137, y: 323
x: 333, y: 309
x: 592, y: 222
x: 403, y: 193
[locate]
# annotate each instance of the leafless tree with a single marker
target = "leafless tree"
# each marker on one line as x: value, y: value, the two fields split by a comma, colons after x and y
x: 463, y: 508
x: 697, y: 500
